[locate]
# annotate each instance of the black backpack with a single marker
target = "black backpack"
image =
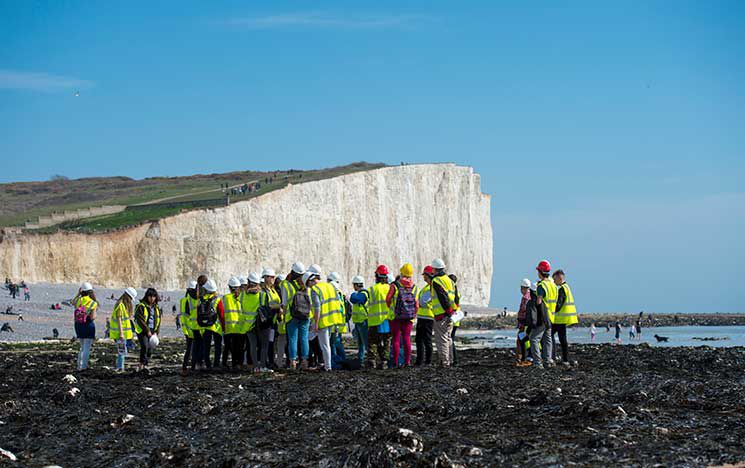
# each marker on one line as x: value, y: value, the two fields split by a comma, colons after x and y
x: 533, y: 314
x: 206, y: 312
x: 301, y: 306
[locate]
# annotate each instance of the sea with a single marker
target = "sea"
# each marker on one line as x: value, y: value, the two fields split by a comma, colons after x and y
x: 723, y: 336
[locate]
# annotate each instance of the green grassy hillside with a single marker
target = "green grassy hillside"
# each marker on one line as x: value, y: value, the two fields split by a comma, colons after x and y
x: 163, y: 196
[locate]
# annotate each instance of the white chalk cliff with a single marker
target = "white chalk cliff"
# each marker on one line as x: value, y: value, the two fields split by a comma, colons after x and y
x: 348, y: 224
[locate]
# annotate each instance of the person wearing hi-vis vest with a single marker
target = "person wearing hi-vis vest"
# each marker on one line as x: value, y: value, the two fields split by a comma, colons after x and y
x: 250, y: 303
x: 212, y: 333
x: 359, y: 299
x: 564, y: 316
x: 337, y: 331
x: 187, y: 316
x: 85, y: 304
x: 269, y: 305
x: 378, y: 314
x: 120, y: 326
x: 147, y: 324
x: 444, y: 306
x: 234, y: 339
x: 425, y: 320
x: 546, y: 304
x: 327, y: 314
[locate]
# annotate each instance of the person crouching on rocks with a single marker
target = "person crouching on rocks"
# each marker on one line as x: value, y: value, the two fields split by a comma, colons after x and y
x: 147, y: 324
x: 120, y: 326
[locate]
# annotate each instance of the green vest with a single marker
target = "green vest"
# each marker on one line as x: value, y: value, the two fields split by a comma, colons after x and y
x: 184, y: 317
x: 551, y: 295
x: 449, y: 287
x: 567, y: 315
x: 359, y: 311
x: 425, y: 310
x: 331, y: 312
x: 377, y: 309
x: 250, y: 302
x: 156, y: 322
x: 233, y: 314
x: 120, y: 312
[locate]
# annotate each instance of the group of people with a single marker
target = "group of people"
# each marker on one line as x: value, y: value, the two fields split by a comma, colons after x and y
x: 14, y: 289
x: 268, y: 321
x: 546, y: 309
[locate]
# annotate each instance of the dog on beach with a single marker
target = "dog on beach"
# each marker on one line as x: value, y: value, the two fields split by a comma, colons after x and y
x: 661, y: 339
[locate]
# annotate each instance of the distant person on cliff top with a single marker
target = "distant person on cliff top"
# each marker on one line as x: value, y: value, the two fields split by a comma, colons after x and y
x: 147, y: 325
x: 86, y: 305
x: 565, y: 315
x: 522, y: 324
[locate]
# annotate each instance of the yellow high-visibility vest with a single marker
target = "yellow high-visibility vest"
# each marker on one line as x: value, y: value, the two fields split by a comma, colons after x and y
x: 233, y: 314
x: 359, y: 311
x: 120, y: 312
x: 567, y: 315
x: 447, y: 284
x: 156, y: 322
x: 425, y: 310
x: 377, y: 309
x: 331, y: 312
x: 250, y: 302
x: 184, y: 317
x: 551, y: 295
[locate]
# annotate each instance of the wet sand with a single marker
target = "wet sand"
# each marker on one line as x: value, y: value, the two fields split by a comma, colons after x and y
x: 623, y: 405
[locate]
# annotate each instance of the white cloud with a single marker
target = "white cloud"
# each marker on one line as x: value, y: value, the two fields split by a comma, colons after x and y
x: 320, y: 20
x: 39, y: 81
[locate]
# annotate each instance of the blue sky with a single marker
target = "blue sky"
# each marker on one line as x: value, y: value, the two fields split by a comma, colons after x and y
x: 611, y: 136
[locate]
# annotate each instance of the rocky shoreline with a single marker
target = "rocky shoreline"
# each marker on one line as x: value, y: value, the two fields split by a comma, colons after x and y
x: 623, y: 405
x: 585, y: 320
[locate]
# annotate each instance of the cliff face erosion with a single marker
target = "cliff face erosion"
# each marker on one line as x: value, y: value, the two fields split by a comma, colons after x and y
x: 348, y: 224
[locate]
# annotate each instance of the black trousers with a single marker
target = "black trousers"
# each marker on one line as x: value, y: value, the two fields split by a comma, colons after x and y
x: 145, y: 351
x: 562, y: 331
x: 452, y: 336
x: 424, y: 330
x: 235, y: 346
x: 197, y: 348
x: 208, y: 336
x: 187, y: 352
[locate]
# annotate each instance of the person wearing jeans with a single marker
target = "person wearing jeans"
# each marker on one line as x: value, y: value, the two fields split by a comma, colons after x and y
x: 297, y: 333
x: 359, y: 299
x: 85, y: 327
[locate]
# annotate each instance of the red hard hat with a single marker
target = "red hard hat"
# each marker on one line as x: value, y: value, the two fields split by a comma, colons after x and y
x: 381, y: 270
x: 543, y: 266
x: 428, y: 270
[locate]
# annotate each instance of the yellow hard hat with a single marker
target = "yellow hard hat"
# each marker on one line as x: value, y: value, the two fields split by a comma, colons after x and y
x: 407, y: 270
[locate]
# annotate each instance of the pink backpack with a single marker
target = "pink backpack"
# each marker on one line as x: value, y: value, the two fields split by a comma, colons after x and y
x: 81, y: 314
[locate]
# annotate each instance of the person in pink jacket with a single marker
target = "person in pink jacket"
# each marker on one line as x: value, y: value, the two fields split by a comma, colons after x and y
x: 402, y: 300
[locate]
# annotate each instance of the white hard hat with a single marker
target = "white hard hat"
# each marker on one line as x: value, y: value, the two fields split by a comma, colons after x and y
x: 533, y: 286
x: 131, y: 292
x: 254, y: 278
x: 438, y: 264
x: 244, y: 280
x: 268, y: 272
x: 314, y: 268
x: 210, y: 286
x: 191, y: 285
x: 308, y: 275
x: 86, y: 287
x: 391, y: 278
x: 525, y: 283
x: 358, y: 280
x: 234, y: 282
x: 281, y: 277
x: 154, y: 342
x: 334, y: 276
x: 298, y: 268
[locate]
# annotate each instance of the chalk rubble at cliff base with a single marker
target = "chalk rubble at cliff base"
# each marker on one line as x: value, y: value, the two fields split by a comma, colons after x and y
x: 622, y: 405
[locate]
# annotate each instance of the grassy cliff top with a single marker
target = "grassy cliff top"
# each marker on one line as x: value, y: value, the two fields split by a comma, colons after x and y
x: 162, y: 196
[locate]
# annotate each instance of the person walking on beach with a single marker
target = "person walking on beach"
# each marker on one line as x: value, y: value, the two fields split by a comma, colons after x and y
x: 632, y: 332
x: 618, y: 332
x: 639, y: 328
x: 26, y: 293
x: 402, y: 299
x: 120, y: 325
x: 147, y: 324
x: 593, y: 332
x: 85, y: 327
